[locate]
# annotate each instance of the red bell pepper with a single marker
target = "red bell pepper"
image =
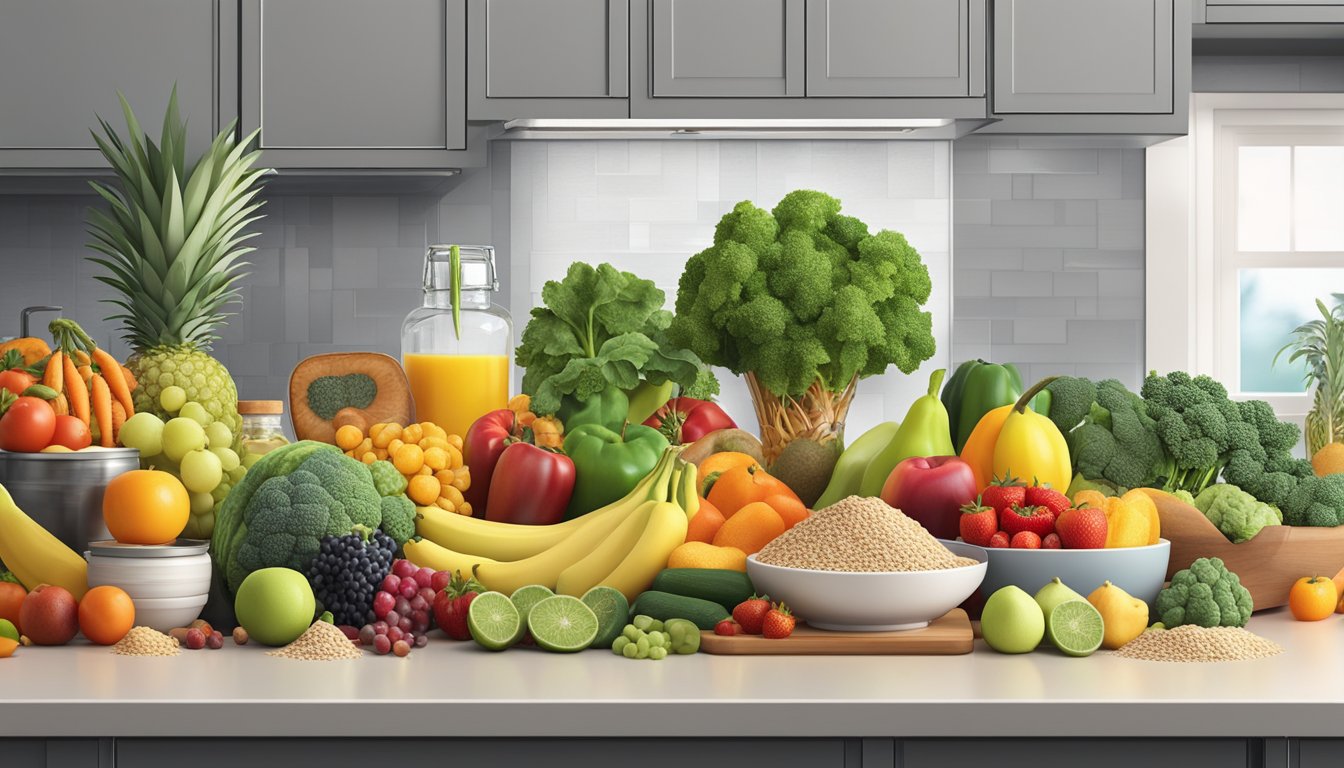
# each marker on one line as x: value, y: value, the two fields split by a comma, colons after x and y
x: 486, y: 440
x: 530, y: 486
x: 685, y: 419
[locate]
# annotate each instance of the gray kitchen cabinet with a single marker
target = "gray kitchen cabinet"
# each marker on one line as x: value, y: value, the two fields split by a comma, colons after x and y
x: 1272, y: 12
x: 1062, y: 753
x: 348, y: 84
x: 57, y: 753
x: 876, y: 48
x: 745, y: 49
x: 548, y: 58
x: 63, y: 61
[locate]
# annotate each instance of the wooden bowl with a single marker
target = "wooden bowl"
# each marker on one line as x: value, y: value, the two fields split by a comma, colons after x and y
x: 1267, y: 564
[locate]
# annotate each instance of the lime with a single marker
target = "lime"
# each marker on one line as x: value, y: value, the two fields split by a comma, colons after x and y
x: 611, y: 609
x: 525, y: 597
x: 7, y: 629
x: 1075, y: 627
x: 562, y: 624
x: 493, y: 621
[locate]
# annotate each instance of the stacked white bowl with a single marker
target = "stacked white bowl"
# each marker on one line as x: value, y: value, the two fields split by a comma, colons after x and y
x: 169, y: 584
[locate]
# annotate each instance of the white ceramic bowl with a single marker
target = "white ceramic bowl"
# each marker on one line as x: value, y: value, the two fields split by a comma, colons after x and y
x: 152, y: 577
x: 165, y: 613
x: 870, y: 602
x: 1139, y: 571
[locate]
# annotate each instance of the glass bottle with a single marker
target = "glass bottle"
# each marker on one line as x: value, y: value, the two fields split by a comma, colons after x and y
x: 263, y: 430
x: 456, y: 347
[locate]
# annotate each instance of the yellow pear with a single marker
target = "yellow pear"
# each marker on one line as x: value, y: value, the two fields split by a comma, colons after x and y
x: 1125, y: 617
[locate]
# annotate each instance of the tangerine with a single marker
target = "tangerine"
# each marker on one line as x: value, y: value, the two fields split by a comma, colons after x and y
x: 11, y: 600
x: 106, y: 614
x: 145, y: 506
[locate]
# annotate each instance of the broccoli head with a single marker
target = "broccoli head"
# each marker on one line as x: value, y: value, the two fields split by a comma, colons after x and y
x: 1205, y: 594
x: 397, y: 518
x: 804, y: 294
x: 1316, y: 501
x: 1071, y: 399
x: 387, y: 479
x: 1234, y: 512
x: 1114, y: 439
x: 329, y: 394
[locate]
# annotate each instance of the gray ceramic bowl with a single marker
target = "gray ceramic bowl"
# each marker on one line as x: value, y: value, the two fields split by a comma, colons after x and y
x: 1139, y: 571
x: 870, y: 602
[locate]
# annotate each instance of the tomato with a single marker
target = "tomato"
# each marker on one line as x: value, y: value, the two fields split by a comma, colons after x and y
x: 72, y: 433
x: 27, y: 426
x: 1312, y: 598
x: 16, y: 381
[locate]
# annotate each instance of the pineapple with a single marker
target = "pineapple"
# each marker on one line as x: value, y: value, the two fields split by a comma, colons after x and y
x: 1321, y: 344
x: 173, y: 247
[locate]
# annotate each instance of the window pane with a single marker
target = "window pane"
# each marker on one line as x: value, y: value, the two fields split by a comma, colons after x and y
x: 1273, y: 303
x: 1263, y: 198
x: 1318, y: 198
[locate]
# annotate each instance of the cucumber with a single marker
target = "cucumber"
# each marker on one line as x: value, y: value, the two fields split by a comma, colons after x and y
x: 664, y: 605
x: 717, y: 585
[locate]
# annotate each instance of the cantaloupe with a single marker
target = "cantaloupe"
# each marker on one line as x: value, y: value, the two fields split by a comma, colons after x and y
x: 328, y: 390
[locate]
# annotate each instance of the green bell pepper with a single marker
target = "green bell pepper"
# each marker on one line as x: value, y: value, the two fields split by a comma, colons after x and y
x: 646, y: 398
x: 978, y: 387
x: 608, y: 408
x: 608, y: 464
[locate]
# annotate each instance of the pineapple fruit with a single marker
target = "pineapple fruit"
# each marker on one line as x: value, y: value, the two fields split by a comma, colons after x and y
x: 172, y: 245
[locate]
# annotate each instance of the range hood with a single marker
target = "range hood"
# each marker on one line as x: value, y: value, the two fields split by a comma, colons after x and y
x: 765, y: 128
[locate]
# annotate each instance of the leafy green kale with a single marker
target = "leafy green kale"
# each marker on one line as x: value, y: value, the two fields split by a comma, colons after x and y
x: 804, y: 294
x: 599, y: 328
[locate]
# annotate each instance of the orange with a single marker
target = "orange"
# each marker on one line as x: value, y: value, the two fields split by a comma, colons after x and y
x: 106, y: 614
x: 1329, y: 460
x: 740, y: 486
x: 697, y: 554
x: 7, y: 647
x: 722, y: 462
x: 1313, y: 598
x: 144, y: 506
x: 790, y: 508
x: 1089, y: 498
x: 11, y: 599
x: 424, y: 489
x: 705, y: 524
x: 754, y: 526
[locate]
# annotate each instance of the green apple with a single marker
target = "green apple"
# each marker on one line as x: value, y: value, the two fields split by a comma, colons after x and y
x: 1012, y: 622
x: 7, y: 629
x: 275, y: 605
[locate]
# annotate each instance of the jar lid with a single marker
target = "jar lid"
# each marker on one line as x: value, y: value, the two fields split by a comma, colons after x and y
x: 478, y: 268
x: 261, y: 407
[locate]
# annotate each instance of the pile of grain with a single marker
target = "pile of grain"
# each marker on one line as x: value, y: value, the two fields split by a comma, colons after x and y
x: 320, y: 642
x: 860, y: 535
x: 1191, y: 643
x: 143, y: 641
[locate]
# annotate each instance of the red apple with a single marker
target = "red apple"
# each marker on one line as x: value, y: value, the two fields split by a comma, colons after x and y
x: 931, y: 490
x: 50, y: 615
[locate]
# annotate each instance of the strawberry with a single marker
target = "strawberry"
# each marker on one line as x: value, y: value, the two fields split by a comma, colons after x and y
x: 726, y: 627
x: 999, y: 540
x: 750, y: 614
x: 1025, y: 540
x: 1038, y: 520
x: 1082, y: 528
x: 1051, y: 542
x: 977, y: 523
x: 450, y: 606
x: 1045, y: 496
x: 779, y: 622
x: 1003, y: 493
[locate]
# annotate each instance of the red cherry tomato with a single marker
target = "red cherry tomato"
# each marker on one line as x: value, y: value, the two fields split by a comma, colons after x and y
x: 72, y: 433
x: 27, y: 426
x: 16, y: 381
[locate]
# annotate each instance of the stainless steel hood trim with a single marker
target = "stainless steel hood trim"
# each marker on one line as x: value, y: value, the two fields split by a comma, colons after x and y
x: 765, y: 128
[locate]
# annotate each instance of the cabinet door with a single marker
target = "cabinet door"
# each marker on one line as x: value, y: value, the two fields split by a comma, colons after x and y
x: 746, y: 48
x: 63, y: 61
x: 548, y: 58
x: 1083, y: 56
x: 1060, y: 753
x: 884, y: 48
x: 351, y: 84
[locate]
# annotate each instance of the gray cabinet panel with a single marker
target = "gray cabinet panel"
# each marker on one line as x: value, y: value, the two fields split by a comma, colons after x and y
x: 1083, y: 56
x: 56, y: 753
x: 63, y: 61
x: 746, y: 48
x: 347, y: 83
x: 882, y: 48
x: 1063, y: 753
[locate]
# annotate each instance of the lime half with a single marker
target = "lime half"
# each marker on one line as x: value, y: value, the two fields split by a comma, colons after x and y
x: 1075, y: 627
x: 562, y: 624
x: 612, y: 610
x: 493, y: 621
x: 525, y: 597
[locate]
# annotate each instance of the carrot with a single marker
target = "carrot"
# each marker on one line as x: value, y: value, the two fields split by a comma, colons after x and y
x: 54, y: 376
x: 77, y: 391
x: 130, y: 378
x: 61, y: 404
x: 111, y: 373
x: 102, y: 410
x: 118, y: 418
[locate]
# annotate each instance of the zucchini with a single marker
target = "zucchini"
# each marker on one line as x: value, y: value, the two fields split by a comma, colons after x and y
x: 717, y: 585
x: 664, y: 605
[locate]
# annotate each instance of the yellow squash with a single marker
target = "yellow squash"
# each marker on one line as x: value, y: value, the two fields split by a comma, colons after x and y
x: 1031, y: 447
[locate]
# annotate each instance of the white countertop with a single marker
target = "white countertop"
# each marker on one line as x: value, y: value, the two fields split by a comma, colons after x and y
x: 449, y: 689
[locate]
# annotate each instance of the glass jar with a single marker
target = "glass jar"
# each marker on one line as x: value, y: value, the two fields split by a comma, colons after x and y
x: 263, y: 428
x: 456, y: 347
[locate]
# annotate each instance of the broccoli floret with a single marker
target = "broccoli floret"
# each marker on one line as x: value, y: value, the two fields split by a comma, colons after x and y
x: 706, y: 386
x: 1202, y: 431
x: 1316, y: 501
x: 1205, y: 594
x: 1234, y: 512
x: 1071, y: 399
x: 1116, y: 440
x: 387, y: 479
x: 1184, y: 496
x: 398, y: 518
x: 329, y: 394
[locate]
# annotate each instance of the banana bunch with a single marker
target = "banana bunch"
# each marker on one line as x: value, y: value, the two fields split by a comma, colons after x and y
x: 34, y: 555
x: 622, y: 545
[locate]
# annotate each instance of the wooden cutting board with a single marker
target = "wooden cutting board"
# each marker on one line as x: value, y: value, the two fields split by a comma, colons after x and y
x: 947, y: 636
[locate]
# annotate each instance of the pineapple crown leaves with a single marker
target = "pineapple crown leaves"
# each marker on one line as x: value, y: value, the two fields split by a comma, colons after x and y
x: 174, y: 252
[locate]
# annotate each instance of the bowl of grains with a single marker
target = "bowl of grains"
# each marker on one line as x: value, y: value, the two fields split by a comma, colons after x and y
x: 861, y: 566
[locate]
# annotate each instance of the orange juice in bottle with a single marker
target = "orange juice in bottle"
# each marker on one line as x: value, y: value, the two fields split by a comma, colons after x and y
x: 456, y: 348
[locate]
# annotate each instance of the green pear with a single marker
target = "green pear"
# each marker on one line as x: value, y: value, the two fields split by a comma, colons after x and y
x: 926, y: 431
x: 1054, y: 593
x: 1012, y: 622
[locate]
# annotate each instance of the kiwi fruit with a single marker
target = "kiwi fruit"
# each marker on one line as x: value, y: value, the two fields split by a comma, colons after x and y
x: 805, y: 466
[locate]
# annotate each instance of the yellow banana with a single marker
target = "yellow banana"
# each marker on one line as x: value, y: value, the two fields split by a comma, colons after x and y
x: 589, y: 570
x: 34, y: 555
x: 425, y: 553
x: 690, y: 492
x: 665, y: 532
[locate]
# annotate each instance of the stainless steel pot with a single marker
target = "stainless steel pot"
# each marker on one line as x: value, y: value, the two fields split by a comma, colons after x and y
x: 63, y: 492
